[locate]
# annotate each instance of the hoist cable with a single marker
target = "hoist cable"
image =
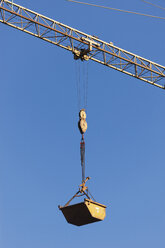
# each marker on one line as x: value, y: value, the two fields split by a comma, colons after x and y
x: 81, y: 84
x: 121, y: 10
x: 86, y: 86
x: 76, y: 81
x: 155, y: 5
x: 77, y: 70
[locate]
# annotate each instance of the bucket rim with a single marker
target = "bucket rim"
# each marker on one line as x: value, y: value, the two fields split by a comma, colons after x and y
x: 80, y: 203
x: 96, y: 203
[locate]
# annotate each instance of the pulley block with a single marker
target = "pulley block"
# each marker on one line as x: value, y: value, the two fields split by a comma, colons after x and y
x: 82, y: 124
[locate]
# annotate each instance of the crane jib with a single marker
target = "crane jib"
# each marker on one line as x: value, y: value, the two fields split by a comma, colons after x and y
x: 92, y: 48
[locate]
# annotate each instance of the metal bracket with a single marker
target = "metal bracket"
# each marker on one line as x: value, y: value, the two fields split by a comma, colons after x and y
x: 82, y: 190
x: 91, y: 42
x: 83, y: 187
x: 83, y: 53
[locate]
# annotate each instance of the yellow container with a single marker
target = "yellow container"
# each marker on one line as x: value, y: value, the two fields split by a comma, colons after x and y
x: 84, y: 213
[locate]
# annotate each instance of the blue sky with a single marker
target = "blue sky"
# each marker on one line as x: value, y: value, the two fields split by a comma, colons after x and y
x: 39, y: 138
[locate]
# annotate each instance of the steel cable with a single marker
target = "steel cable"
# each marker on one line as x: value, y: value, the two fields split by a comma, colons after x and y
x: 86, y: 87
x: 81, y: 84
x: 155, y: 5
x: 120, y: 10
x: 77, y: 69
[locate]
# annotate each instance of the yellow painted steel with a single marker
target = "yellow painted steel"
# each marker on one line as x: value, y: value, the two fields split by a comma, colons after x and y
x: 84, y: 213
x: 96, y: 210
x: 82, y: 45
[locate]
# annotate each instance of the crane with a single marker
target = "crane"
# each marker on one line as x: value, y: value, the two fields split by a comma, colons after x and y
x: 82, y: 45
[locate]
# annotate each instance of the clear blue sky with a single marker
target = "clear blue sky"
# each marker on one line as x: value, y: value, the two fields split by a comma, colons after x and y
x: 39, y: 139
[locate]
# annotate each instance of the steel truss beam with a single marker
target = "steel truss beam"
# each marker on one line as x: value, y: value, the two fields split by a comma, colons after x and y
x: 82, y: 45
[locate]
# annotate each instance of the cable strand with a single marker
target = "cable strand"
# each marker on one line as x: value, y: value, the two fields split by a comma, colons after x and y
x: 155, y: 5
x: 120, y: 10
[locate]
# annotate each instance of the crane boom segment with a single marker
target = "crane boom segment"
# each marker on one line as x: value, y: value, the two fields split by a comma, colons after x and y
x: 82, y: 45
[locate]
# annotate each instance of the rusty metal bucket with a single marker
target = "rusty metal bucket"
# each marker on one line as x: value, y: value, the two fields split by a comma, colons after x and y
x: 84, y: 213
